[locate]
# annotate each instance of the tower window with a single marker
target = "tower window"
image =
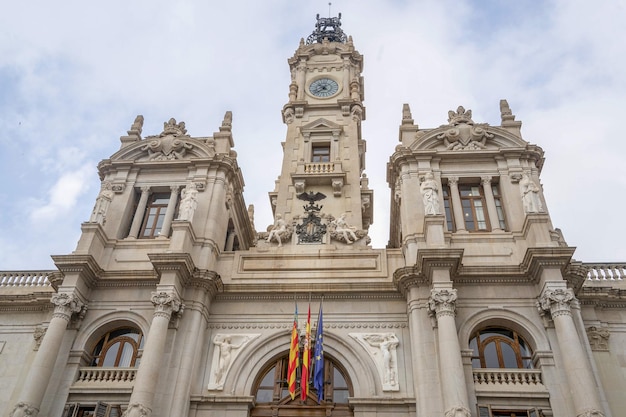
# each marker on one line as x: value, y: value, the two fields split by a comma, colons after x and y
x: 474, y: 207
x: 320, y: 152
x: 500, y: 348
x: 154, y: 215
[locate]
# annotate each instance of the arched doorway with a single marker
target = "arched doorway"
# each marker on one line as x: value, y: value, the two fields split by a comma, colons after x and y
x: 272, y: 397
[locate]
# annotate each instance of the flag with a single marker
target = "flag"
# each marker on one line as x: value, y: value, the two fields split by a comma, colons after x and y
x: 293, y: 357
x: 306, y: 359
x: 318, y: 361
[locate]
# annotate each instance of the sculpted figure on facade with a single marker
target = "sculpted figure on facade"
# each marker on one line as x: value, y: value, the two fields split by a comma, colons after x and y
x: 279, y: 231
x: 227, y: 348
x: 430, y: 195
x: 382, y: 349
x: 188, y: 203
x: 530, y: 195
x: 344, y: 231
x: 103, y: 201
x: 598, y: 338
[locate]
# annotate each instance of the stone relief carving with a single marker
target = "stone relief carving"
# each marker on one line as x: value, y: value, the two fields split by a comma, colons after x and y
x: 289, y: 115
x: 458, y: 411
x: 168, y: 145
x: 442, y: 301
x: 530, y: 195
x: 463, y: 135
x: 23, y: 409
x: 430, y: 195
x: 382, y: 349
x: 279, y: 231
x: 98, y: 215
x: 38, y: 335
x: 598, y: 338
x: 342, y: 231
x: 188, y: 203
x: 227, y: 348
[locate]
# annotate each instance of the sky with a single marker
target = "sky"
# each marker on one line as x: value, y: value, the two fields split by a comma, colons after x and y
x: 74, y: 75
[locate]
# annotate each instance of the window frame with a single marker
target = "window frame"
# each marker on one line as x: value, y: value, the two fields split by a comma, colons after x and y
x: 155, y: 228
x: 486, y: 410
x: 321, y: 157
x: 106, y: 342
x: 521, y: 348
x: 471, y: 205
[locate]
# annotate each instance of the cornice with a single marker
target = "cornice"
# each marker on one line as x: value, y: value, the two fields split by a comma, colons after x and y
x: 85, y: 265
x: 272, y: 295
x: 209, y: 281
x: 181, y: 263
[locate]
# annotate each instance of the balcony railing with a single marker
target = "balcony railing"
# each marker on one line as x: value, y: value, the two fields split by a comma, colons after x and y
x: 24, y: 278
x: 606, y: 272
x: 94, y: 376
x: 319, y: 168
x: 509, y: 379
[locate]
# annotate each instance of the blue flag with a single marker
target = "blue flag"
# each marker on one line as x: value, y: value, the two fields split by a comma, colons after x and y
x: 318, y: 361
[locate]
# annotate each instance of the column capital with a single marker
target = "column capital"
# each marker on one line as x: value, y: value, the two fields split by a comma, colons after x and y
x: 166, y: 303
x: 486, y: 179
x: 145, y: 189
x: 442, y: 302
x: 65, y: 305
x: 458, y: 411
x: 23, y: 409
x: 556, y: 302
x: 591, y: 412
x: 137, y: 410
x: 454, y: 180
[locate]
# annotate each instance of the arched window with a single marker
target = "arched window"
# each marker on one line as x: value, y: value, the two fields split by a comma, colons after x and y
x: 271, y: 392
x: 118, y: 348
x: 495, y: 347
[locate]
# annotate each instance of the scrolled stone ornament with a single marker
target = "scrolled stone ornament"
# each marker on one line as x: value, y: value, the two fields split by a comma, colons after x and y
x: 66, y: 305
x: 458, y: 411
x: 556, y: 302
x: 442, y: 301
x: 22, y: 409
x: 136, y: 410
x: 165, y: 303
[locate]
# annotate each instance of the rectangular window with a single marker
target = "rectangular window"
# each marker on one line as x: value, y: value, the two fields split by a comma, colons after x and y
x: 474, y: 207
x: 154, y: 215
x: 99, y: 410
x: 447, y: 207
x: 320, y: 152
x: 499, y: 208
x: 488, y: 411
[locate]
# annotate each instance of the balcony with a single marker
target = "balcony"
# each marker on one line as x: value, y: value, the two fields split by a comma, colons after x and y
x: 104, y: 378
x: 508, y: 381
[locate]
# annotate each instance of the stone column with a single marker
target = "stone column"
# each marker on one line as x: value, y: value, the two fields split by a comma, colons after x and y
x: 492, y: 211
x: 585, y: 396
x: 194, y: 339
x: 169, y: 213
x: 442, y: 304
x: 141, y: 208
x: 40, y: 372
x: 457, y: 208
x: 140, y: 403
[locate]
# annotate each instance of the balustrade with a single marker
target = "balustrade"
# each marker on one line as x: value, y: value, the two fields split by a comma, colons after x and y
x: 607, y: 271
x: 319, y: 168
x: 98, y: 375
x: 513, y: 377
x: 24, y: 278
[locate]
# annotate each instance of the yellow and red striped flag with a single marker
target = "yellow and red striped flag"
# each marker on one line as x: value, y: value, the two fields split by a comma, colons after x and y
x: 306, y: 359
x: 293, y: 357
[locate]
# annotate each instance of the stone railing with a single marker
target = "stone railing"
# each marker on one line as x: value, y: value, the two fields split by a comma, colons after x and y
x: 495, y: 378
x: 24, y: 278
x: 101, y: 375
x: 606, y: 271
x: 319, y: 168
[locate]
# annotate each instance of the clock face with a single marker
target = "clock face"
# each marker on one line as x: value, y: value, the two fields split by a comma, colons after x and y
x: 323, y: 87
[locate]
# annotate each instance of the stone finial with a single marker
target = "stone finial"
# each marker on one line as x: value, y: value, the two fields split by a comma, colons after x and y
x: 228, y: 119
x: 136, y: 127
x: 172, y: 128
x: 461, y: 116
x: 505, y: 112
x: 407, y: 117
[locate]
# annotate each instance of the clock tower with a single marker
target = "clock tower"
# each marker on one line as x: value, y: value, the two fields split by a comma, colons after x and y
x: 324, y: 154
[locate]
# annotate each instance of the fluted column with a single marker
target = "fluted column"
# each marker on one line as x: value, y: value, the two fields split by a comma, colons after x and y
x: 584, y: 392
x: 442, y: 304
x: 169, y: 213
x: 141, y: 208
x: 140, y: 403
x: 457, y: 209
x: 40, y: 372
x: 492, y: 211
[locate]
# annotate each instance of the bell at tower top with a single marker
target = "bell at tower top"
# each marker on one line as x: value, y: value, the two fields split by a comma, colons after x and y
x: 327, y: 28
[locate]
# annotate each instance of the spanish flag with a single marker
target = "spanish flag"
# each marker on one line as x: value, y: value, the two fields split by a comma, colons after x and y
x: 293, y: 357
x: 306, y: 359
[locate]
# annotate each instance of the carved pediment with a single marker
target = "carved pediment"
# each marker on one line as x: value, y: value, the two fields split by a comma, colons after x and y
x: 321, y: 126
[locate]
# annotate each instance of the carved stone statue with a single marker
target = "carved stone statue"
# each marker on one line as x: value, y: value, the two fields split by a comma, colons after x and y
x: 598, y: 338
x: 279, y: 227
x: 98, y: 215
x: 189, y: 202
x: 342, y: 227
x: 530, y: 195
x: 430, y: 195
